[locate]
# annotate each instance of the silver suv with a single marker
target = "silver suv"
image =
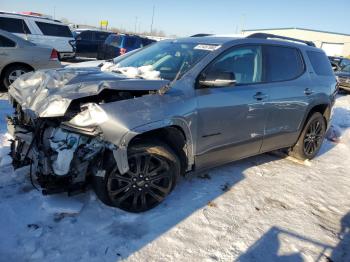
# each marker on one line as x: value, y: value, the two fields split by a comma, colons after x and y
x: 132, y: 127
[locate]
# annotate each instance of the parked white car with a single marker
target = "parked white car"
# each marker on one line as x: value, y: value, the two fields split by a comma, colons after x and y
x: 40, y: 30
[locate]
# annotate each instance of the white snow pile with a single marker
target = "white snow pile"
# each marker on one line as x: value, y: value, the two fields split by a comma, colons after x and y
x: 264, y: 208
x: 145, y: 72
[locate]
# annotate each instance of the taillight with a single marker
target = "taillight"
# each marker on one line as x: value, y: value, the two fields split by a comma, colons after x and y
x: 122, y: 51
x: 54, y: 55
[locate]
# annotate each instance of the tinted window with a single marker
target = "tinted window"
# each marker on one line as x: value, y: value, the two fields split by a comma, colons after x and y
x: 101, y: 36
x: 320, y: 63
x: 282, y: 63
x: 130, y: 42
x: 86, y: 35
x: 5, y: 42
x: 54, y: 29
x: 245, y: 62
x: 114, y: 40
x: 14, y: 25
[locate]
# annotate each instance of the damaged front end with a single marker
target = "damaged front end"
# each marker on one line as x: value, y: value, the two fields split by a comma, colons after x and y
x: 56, y: 125
x: 59, y: 159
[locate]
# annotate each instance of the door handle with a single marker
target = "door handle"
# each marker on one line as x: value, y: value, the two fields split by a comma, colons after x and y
x: 3, y: 53
x: 260, y: 96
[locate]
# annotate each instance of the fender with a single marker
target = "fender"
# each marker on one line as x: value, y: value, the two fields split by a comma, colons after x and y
x: 121, y: 153
x: 322, y: 100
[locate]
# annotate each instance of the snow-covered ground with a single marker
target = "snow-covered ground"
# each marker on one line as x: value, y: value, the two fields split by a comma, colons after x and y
x: 264, y: 208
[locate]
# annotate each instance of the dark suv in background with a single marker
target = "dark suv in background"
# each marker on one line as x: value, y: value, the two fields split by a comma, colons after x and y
x: 88, y: 41
x: 119, y: 44
x: 343, y: 77
x: 193, y: 104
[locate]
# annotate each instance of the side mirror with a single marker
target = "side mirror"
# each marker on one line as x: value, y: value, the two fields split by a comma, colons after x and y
x: 217, y: 79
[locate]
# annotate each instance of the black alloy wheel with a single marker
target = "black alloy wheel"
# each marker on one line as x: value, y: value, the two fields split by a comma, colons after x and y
x: 152, y: 175
x: 313, y: 137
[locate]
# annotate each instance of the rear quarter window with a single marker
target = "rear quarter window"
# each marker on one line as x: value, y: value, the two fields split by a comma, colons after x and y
x: 146, y: 41
x: 320, y: 63
x: 114, y: 40
x: 54, y: 29
x: 282, y: 63
x: 14, y: 25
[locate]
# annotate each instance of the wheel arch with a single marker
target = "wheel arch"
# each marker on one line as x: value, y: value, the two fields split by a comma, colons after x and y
x: 175, y: 133
x: 323, y: 108
x: 3, y: 70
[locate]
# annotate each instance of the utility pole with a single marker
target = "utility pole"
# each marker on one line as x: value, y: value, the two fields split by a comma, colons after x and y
x: 135, y: 24
x: 152, y: 19
x: 54, y: 12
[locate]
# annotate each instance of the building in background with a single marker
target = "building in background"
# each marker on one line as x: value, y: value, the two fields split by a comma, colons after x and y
x: 334, y: 44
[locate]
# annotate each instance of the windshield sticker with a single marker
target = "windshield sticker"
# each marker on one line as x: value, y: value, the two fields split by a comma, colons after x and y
x: 207, y: 47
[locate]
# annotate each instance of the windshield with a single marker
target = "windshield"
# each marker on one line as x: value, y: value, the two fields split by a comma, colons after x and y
x: 344, y: 62
x: 168, y: 58
x: 346, y: 69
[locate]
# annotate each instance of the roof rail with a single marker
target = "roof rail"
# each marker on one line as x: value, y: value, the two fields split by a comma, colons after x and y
x: 266, y: 36
x: 26, y: 15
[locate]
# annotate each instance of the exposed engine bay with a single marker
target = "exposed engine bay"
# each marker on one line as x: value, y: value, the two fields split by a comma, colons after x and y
x: 60, y: 159
x: 57, y: 131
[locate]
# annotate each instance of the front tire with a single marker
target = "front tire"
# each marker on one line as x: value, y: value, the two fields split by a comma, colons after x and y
x: 154, y: 170
x: 311, y: 138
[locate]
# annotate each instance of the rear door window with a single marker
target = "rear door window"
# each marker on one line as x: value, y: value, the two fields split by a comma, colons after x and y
x: 130, y: 42
x: 282, y: 63
x: 5, y: 42
x: 14, y: 25
x: 54, y: 29
x: 320, y: 63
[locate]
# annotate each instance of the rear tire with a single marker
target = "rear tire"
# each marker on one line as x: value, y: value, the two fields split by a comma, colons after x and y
x: 154, y: 170
x: 311, y: 138
x: 12, y: 73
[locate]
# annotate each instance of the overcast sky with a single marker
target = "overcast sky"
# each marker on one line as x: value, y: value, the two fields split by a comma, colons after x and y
x: 186, y: 17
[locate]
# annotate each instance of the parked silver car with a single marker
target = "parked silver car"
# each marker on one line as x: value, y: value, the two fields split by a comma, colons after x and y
x: 19, y: 56
x: 132, y: 127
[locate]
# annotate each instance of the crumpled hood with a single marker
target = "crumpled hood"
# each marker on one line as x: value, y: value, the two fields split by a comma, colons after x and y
x: 48, y: 93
